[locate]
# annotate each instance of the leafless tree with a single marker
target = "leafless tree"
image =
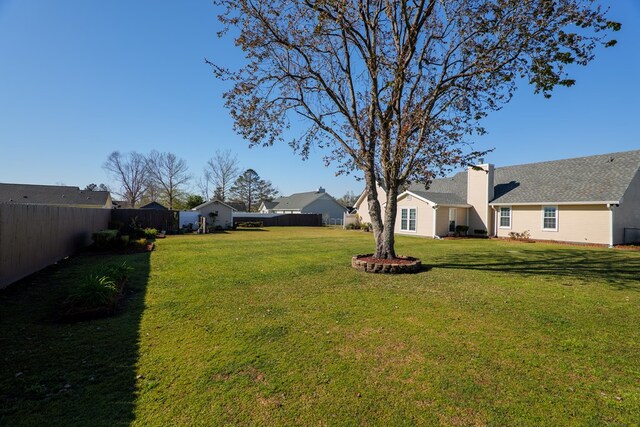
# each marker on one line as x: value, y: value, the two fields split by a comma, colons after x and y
x: 129, y: 171
x: 204, y: 184
x: 397, y: 88
x: 221, y: 171
x: 169, y: 175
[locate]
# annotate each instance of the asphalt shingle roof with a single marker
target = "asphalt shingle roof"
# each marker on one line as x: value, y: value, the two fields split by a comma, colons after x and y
x: 296, y: 201
x: 51, y: 195
x: 441, y: 198
x: 600, y: 178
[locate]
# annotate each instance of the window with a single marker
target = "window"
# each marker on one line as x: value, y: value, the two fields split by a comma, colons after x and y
x: 452, y: 219
x: 408, y: 219
x: 550, y: 218
x: 505, y: 217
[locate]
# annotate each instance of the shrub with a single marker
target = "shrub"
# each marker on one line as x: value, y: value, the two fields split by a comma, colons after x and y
x: 138, y: 244
x: 366, y: 226
x: 150, y: 233
x: 124, y: 241
x: 104, y: 239
x: 117, y: 272
x: 251, y: 224
x: 480, y: 231
x: 350, y: 227
x: 97, y: 294
x: 97, y: 290
x: 520, y: 236
x: 461, y: 230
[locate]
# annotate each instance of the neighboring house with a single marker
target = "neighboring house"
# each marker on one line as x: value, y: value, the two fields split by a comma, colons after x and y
x: 154, y: 206
x: 217, y: 213
x: 317, y: 202
x: 593, y: 199
x: 265, y: 206
x: 54, y: 195
x: 237, y: 206
x: 120, y: 204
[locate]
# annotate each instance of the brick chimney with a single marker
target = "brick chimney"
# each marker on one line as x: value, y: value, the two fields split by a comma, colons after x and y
x: 479, y: 194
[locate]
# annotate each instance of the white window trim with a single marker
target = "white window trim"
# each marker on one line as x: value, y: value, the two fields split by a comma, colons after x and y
x: 408, y: 208
x: 557, y: 219
x: 510, y: 217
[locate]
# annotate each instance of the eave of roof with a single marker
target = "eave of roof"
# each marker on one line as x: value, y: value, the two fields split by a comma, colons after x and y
x: 213, y: 201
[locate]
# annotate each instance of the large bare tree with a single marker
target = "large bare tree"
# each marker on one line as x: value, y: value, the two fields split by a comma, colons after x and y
x: 169, y: 174
x: 221, y: 171
x: 396, y: 89
x: 129, y: 171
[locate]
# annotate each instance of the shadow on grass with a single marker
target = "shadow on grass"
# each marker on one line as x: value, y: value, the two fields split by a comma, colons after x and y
x: 69, y: 373
x: 612, y: 267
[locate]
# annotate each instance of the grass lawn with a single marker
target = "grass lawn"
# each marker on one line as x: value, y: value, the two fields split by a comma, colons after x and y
x: 274, y: 327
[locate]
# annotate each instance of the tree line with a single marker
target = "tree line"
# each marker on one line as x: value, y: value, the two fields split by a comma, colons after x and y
x: 163, y: 177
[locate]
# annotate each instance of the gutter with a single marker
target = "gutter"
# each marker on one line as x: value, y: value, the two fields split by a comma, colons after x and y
x: 555, y: 203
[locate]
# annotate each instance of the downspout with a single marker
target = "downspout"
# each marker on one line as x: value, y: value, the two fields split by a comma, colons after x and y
x: 610, y: 206
x: 435, y: 218
x: 468, y: 225
x: 495, y: 221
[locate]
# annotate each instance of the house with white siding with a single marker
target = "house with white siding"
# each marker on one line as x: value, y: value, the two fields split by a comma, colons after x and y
x: 593, y: 199
x: 217, y: 213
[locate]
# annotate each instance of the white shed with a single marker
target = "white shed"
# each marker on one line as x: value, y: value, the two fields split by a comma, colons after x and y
x: 217, y: 213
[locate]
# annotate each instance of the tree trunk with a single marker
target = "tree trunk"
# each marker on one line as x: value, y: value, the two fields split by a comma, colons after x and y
x: 390, y: 214
x: 383, y: 236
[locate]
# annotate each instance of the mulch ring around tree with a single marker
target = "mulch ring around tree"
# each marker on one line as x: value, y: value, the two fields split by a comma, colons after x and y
x: 398, y: 265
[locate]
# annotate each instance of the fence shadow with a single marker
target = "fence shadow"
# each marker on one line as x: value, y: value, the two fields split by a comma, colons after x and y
x: 612, y: 267
x: 72, y: 373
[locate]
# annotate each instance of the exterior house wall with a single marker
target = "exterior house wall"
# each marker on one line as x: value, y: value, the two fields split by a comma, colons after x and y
x: 576, y: 223
x: 479, y: 193
x: 424, y: 217
x: 363, y: 207
x: 224, y: 218
x: 442, y: 219
x: 332, y: 212
x: 627, y: 215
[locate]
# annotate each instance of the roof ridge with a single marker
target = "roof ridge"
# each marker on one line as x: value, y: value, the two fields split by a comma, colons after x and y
x: 617, y: 153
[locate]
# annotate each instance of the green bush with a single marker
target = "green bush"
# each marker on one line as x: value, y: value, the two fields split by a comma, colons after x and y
x: 117, y: 272
x: 480, y: 232
x: 351, y: 226
x: 366, y: 226
x: 461, y: 230
x: 124, y: 241
x: 251, y: 224
x: 150, y: 233
x: 97, y: 290
x: 138, y: 244
x: 104, y: 239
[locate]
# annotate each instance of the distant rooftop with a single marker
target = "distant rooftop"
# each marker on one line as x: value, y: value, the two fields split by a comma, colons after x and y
x: 57, y: 195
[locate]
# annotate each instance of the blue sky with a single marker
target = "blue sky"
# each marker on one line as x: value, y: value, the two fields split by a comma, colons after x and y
x: 80, y: 79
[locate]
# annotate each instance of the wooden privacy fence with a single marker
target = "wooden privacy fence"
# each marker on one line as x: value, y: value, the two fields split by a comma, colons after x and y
x: 284, y: 220
x: 35, y: 236
x: 148, y: 218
